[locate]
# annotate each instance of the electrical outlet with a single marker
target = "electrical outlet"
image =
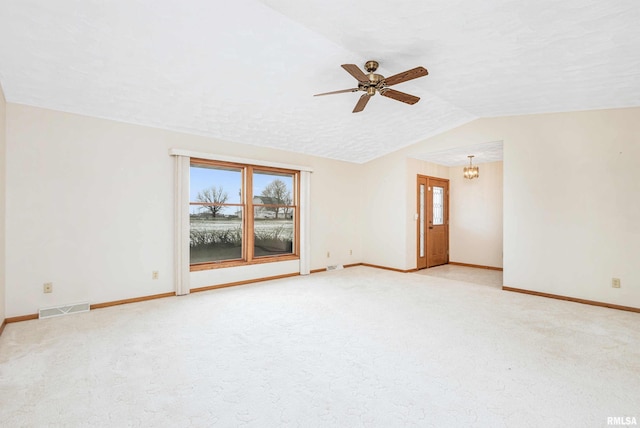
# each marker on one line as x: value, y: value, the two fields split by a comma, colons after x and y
x: 328, y: 254
x: 154, y: 274
x: 351, y: 252
x: 615, y: 282
x: 47, y: 287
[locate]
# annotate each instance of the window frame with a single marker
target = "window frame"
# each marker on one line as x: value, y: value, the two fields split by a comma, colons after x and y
x: 248, y: 207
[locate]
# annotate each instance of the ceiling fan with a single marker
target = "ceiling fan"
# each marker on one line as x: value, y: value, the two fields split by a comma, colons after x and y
x: 372, y: 83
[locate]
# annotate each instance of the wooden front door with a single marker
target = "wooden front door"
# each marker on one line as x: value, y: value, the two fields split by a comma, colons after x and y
x: 438, y: 222
x: 433, y: 222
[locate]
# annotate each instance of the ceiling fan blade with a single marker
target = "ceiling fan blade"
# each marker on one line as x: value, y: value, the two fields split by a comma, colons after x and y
x: 355, y: 71
x: 362, y: 102
x: 414, y: 73
x: 400, y: 96
x: 337, y: 92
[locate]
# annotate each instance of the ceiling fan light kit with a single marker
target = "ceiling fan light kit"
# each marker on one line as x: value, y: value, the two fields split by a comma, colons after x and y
x: 373, y: 82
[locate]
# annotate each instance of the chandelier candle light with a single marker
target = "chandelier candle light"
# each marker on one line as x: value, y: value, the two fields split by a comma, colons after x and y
x: 471, y: 171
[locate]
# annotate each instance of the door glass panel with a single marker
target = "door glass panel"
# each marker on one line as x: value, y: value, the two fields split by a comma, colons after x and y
x: 421, y: 220
x: 438, y: 206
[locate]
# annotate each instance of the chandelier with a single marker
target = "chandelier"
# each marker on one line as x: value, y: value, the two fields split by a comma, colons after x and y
x: 471, y: 171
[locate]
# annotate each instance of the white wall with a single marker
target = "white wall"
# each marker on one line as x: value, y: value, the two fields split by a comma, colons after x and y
x: 89, y: 205
x: 3, y: 163
x: 390, y: 189
x: 90, y: 208
x: 383, y: 213
x: 571, y: 205
x: 475, y: 219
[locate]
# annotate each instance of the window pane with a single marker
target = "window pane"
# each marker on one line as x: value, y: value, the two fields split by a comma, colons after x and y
x: 215, y: 185
x: 272, y: 188
x: 215, y: 238
x: 273, y: 236
x: 438, y: 205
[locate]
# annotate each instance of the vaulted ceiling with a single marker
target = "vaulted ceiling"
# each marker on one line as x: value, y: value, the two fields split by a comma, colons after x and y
x: 245, y: 70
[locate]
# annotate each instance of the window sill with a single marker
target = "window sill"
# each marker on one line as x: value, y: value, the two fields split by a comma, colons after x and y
x: 236, y: 263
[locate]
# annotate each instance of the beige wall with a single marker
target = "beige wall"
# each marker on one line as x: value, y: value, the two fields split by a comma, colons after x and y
x: 571, y: 205
x: 390, y: 207
x: 383, y: 213
x: 3, y: 164
x: 90, y: 208
x: 475, y: 231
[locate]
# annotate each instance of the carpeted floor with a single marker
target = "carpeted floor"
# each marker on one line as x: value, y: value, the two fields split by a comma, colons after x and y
x: 492, y: 278
x: 349, y: 348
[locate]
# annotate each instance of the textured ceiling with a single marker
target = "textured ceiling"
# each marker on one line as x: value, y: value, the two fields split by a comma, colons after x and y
x: 457, y: 156
x: 245, y: 71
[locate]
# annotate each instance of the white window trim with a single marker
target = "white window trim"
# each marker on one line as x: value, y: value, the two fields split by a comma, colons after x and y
x: 182, y: 226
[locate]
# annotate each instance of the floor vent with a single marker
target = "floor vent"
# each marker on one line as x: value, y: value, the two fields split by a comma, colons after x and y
x: 335, y: 267
x: 63, y: 310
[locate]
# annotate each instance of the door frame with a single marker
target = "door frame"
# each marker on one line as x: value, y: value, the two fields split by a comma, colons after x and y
x: 423, y: 262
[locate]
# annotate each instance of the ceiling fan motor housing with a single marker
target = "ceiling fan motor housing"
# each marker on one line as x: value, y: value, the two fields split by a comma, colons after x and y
x: 375, y: 78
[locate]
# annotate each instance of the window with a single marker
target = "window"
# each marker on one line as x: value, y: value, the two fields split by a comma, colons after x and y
x: 273, y: 213
x: 241, y: 214
x: 438, y: 206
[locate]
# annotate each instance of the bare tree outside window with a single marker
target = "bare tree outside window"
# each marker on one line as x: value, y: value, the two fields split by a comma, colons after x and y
x: 213, y: 195
x: 279, y: 194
